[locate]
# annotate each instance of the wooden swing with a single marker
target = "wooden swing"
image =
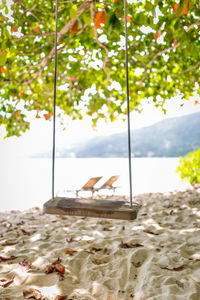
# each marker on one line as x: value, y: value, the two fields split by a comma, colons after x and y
x: 108, y: 208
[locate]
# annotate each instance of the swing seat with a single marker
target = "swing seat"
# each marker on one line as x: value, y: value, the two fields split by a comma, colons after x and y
x: 111, y: 209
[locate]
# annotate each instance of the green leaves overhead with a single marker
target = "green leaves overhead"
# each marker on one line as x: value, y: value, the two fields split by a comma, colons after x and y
x: 164, y: 57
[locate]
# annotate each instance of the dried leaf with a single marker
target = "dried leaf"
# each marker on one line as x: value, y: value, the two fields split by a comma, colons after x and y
x: 60, y: 269
x: 98, y: 262
x: 126, y: 245
x: 96, y: 249
x: 6, y: 282
x: 49, y: 269
x: 101, y: 18
x: 107, y: 229
x: 180, y: 268
x: 2, y: 258
x: 150, y: 232
x: 25, y: 232
x: 70, y: 240
x: 9, y: 243
x: 156, y: 36
x: 25, y: 264
x: 3, y: 70
x: 74, y: 28
x: 70, y: 252
x: 60, y: 297
x: 32, y: 294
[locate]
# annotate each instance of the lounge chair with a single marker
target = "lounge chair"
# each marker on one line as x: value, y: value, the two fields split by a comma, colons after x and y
x: 88, y: 186
x: 108, y: 184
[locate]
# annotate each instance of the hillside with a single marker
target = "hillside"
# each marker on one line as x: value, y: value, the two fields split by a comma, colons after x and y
x: 169, y: 138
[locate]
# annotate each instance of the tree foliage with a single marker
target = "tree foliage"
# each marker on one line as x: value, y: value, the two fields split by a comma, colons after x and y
x: 189, y: 167
x: 164, y: 57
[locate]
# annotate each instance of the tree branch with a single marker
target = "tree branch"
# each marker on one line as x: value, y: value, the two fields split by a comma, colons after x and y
x: 61, y: 33
x: 169, y: 49
x: 154, y: 58
x: 192, y: 25
x: 189, y: 69
x: 33, y: 36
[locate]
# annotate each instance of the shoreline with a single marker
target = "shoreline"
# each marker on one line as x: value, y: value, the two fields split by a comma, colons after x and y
x: 156, y: 256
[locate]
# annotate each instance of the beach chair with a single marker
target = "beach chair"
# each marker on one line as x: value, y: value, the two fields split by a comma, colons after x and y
x: 108, y: 185
x: 88, y: 186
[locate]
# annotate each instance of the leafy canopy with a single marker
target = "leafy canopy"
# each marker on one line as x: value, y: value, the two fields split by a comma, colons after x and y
x: 189, y: 167
x: 164, y: 57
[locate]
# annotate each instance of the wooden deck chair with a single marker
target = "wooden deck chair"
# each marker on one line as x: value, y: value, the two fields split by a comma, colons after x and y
x: 88, y: 186
x: 108, y: 184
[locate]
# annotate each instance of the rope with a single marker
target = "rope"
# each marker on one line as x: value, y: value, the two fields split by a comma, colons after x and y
x: 128, y: 107
x: 54, y: 105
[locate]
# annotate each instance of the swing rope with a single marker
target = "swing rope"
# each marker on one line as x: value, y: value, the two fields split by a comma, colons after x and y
x: 54, y: 106
x: 128, y: 106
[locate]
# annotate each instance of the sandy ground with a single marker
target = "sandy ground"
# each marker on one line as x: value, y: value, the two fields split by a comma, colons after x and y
x: 154, y: 257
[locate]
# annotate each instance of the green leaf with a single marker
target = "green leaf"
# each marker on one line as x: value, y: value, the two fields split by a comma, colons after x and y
x: 87, y: 19
x: 73, y: 11
x: 3, y: 58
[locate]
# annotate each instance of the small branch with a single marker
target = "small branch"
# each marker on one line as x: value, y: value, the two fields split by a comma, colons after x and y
x: 189, y: 69
x: 61, y: 33
x: 167, y: 50
x: 154, y: 58
x: 92, y: 8
x: 192, y: 25
x: 33, y: 36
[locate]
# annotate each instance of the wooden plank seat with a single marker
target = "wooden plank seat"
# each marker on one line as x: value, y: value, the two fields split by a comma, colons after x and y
x: 112, y: 209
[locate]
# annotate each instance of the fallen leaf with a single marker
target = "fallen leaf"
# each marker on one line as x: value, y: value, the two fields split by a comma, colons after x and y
x: 60, y: 269
x: 60, y: 297
x: 180, y: 268
x: 2, y: 258
x: 70, y: 240
x: 126, y: 245
x: 98, y: 262
x: 25, y: 264
x: 107, y: 229
x: 70, y: 252
x: 32, y: 294
x: 9, y: 243
x: 96, y: 249
x: 49, y: 269
x: 150, y: 232
x: 6, y: 282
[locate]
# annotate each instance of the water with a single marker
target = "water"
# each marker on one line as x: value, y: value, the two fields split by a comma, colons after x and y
x: 26, y: 183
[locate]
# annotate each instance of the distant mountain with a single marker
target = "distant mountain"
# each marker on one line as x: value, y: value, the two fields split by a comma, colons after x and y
x: 169, y: 138
x: 172, y: 137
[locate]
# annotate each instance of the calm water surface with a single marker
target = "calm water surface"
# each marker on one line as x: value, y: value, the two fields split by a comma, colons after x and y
x: 27, y: 182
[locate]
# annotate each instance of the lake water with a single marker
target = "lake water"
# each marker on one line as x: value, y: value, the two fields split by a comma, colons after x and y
x: 26, y: 183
